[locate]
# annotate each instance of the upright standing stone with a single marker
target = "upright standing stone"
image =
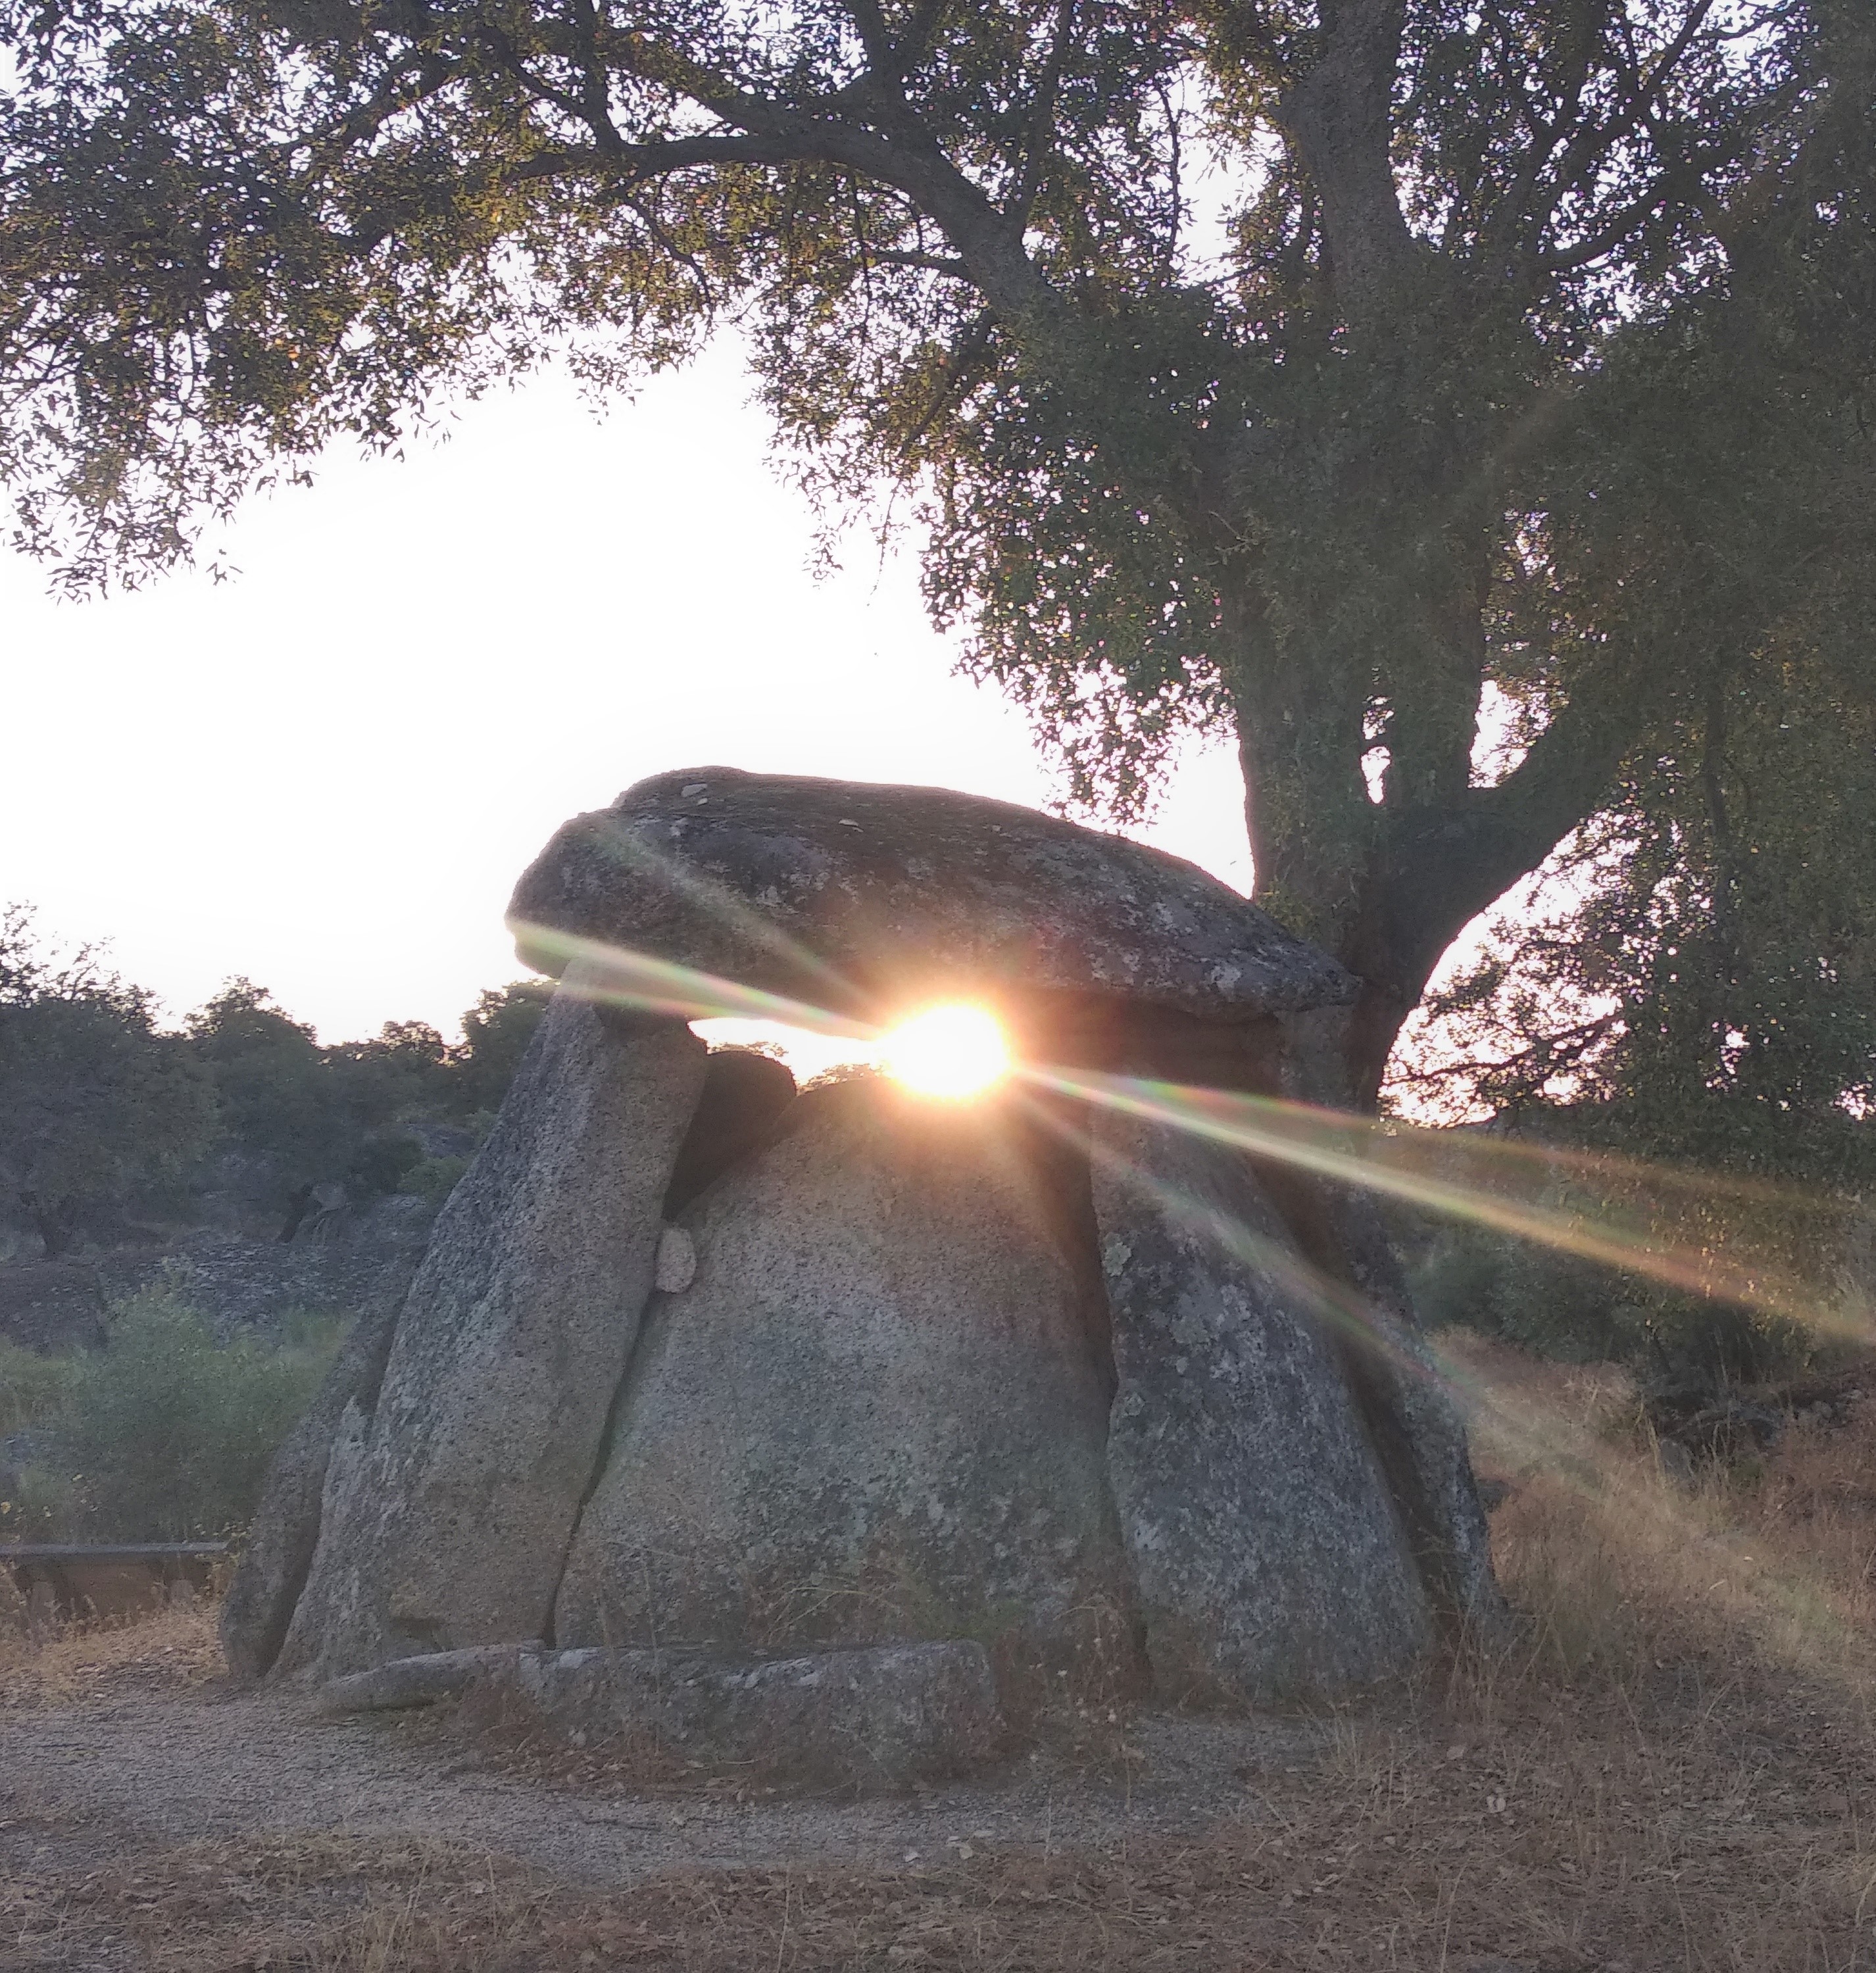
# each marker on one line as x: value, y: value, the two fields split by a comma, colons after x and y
x: 449, y: 1504
x: 878, y: 1411
x: 1271, y: 1561
x: 1416, y: 1427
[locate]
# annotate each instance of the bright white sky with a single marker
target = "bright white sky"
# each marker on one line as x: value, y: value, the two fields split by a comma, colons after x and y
x: 327, y: 773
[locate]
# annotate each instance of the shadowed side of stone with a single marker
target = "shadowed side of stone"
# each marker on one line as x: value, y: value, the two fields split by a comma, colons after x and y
x: 1272, y: 1560
x: 260, y: 1604
x: 878, y: 1409
x: 744, y: 1097
x: 1412, y: 1420
x: 448, y: 1505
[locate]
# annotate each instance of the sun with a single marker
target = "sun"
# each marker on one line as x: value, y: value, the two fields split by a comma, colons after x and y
x: 955, y: 1051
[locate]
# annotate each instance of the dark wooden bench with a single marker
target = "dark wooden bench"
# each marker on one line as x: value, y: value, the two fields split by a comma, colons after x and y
x: 93, y: 1580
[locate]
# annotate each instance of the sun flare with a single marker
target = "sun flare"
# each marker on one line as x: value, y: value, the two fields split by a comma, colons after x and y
x: 956, y: 1050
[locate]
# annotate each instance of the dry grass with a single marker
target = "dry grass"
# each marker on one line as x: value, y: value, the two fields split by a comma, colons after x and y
x: 1629, y: 1844
x: 1668, y: 1764
x: 1619, y: 1567
x: 169, y: 1649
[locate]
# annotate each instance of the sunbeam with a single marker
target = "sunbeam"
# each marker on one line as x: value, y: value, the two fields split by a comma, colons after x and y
x: 617, y: 977
x: 1645, y: 1233
x: 1393, y: 1159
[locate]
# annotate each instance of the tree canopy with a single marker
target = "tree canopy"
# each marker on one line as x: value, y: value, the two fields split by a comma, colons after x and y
x: 103, y: 1111
x: 1432, y: 392
x: 96, y: 1101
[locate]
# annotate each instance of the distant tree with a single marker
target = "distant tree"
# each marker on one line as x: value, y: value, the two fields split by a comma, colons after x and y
x: 496, y: 1031
x: 95, y: 1103
x: 404, y: 1071
x: 1522, y: 367
x: 282, y: 1108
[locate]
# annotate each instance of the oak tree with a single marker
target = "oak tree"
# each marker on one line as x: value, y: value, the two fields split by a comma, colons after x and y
x: 1430, y: 392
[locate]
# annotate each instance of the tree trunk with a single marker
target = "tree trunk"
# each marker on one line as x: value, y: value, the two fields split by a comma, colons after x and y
x: 297, y: 1208
x: 1387, y: 879
x: 56, y: 1222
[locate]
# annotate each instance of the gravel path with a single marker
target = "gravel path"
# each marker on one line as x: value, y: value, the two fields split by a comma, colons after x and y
x: 97, y: 1780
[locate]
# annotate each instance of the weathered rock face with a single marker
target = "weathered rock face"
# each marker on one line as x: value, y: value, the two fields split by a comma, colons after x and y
x: 448, y: 1503
x: 882, y: 1716
x: 879, y: 1409
x: 878, y: 1717
x: 847, y: 894
x: 1270, y: 1559
x: 1411, y: 1419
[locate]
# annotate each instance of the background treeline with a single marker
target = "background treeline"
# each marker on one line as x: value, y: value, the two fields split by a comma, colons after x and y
x: 117, y: 1132
x: 240, y: 1113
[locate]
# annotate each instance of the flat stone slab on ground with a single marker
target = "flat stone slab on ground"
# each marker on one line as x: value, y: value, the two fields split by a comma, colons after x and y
x: 888, y: 1715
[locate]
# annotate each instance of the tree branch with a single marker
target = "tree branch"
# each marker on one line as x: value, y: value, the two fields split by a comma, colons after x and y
x: 989, y: 245
x: 1340, y: 116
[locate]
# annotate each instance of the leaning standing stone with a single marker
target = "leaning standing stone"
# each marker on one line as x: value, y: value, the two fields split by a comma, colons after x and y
x: 448, y: 1508
x: 261, y: 1601
x: 1270, y: 1560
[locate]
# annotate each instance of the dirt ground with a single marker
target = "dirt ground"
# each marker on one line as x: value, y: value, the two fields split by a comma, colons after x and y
x: 154, y: 1756
x: 1667, y: 1762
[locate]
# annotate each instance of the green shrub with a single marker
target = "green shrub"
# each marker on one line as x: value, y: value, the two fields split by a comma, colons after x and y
x: 32, y: 1387
x: 434, y: 1179
x: 40, y: 1503
x: 168, y: 1433
x: 1578, y: 1311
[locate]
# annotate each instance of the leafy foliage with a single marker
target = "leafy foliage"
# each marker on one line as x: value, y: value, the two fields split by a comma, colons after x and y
x: 1520, y: 345
x: 101, y: 1109
x: 1701, y: 990
x: 1706, y: 989
x: 96, y: 1101
x: 166, y: 1435
x: 496, y: 1031
x: 32, y: 1387
x: 282, y: 1108
x: 298, y: 1116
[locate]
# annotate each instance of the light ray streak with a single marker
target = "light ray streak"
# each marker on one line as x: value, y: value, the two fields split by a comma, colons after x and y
x: 1278, y: 1260
x: 1331, y: 1144
x: 712, y: 898
x: 597, y: 970
x: 1353, y: 1151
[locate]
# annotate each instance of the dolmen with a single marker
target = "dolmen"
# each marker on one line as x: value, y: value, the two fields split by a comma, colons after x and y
x: 815, y: 1423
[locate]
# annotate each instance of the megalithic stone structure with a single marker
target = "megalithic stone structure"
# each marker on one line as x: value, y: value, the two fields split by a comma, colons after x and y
x: 907, y: 1371
x: 1271, y: 1557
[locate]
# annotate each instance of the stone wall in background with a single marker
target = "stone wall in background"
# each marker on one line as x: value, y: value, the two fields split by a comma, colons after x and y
x: 347, y: 1261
